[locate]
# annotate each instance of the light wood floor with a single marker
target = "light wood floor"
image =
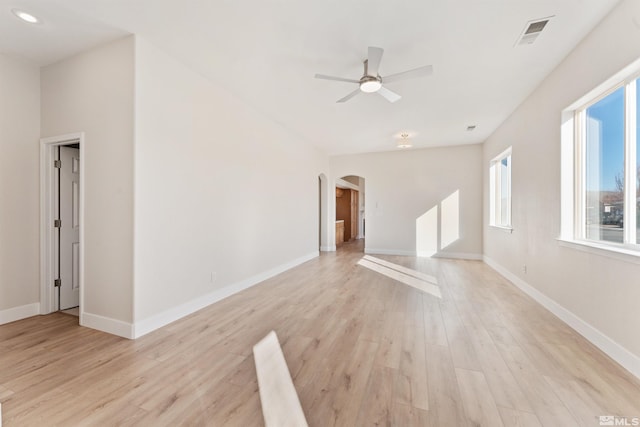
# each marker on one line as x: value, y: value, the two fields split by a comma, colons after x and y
x: 362, y: 350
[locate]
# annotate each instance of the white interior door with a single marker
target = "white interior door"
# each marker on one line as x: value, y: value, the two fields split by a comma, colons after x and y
x: 70, y: 227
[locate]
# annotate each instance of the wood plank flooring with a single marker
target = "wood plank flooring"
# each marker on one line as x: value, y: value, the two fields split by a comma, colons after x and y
x: 362, y: 350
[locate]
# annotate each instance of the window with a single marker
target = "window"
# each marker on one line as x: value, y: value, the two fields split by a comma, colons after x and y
x: 604, y: 168
x: 500, y: 190
x: 607, y: 168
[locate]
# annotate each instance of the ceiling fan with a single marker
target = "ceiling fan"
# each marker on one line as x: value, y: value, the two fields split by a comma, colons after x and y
x: 372, y: 82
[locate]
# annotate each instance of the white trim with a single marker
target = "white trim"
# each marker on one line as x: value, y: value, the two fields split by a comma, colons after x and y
x: 502, y: 228
x: 459, y: 255
x: 569, y: 167
x: 107, y: 324
x: 324, y: 207
x: 159, y: 320
x: 47, y: 235
x: 18, y: 313
x: 605, y: 250
x: 630, y: 167
x: 624, y: 357
x: 328, y: 248
x: 400, y: 252
x: 341, y: 183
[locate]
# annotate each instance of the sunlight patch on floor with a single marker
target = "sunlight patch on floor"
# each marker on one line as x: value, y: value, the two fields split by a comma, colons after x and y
x: 401, y: 277
x: 403, y: 269
x: 278, y: 396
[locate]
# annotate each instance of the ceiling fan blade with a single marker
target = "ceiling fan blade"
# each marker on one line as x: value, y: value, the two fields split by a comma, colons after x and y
x: 427, y: 70
x: 373, y: 60
x: 348, y: 97
x: 339, y: 79
x: 388, y: 95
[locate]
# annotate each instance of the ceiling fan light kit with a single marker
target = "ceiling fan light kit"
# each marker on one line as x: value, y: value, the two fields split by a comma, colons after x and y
x: 404, y: 142
x: 372, y: 82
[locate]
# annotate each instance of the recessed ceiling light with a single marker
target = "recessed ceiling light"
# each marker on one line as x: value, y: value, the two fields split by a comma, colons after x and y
x: 26, y: 17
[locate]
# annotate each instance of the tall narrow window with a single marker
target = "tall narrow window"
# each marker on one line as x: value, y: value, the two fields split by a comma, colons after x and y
x: 500, y: 190
x: 607, y: 180
x: 604, y: 168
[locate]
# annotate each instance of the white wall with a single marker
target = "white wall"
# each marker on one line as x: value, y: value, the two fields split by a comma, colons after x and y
x: 19, y: 189
x: 404, y: 185
x: 599, y: 294
x: 93, y: 93
x: 218, y: 189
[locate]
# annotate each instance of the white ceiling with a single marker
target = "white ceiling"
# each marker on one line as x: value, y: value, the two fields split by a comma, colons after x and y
x: 267, y: 51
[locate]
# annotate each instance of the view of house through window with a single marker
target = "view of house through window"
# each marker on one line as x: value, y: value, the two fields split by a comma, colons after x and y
x: 609, y: 139
x: 500, y: 190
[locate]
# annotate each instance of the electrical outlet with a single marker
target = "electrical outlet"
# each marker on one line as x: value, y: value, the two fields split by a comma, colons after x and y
x: 214, y: 276
x: 524, y: 269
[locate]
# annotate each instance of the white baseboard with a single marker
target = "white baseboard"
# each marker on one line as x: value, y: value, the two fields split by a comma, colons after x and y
x: 624, y: 357
x: 18, y: 313
x: 159, y: 320
x: 374, y: 251
x: 107, y: 324
x: 328, y: 248
x: 459, y: 255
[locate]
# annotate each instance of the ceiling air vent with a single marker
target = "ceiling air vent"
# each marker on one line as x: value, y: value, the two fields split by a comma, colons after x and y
x: 532, y: 30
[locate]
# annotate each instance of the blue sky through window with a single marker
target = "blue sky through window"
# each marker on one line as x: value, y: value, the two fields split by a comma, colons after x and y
x: 609, y: 112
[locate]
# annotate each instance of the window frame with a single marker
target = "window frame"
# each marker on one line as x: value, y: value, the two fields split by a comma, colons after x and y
x: 495, y: 191
x: 573, y: 168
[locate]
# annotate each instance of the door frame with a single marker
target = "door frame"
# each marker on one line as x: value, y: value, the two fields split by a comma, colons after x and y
x: 323, y: 219
x: 48, y: 208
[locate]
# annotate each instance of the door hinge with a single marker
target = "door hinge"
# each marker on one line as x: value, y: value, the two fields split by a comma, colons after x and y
x: 57, y: 283
x: 57, y: 164
x: 57, y: 223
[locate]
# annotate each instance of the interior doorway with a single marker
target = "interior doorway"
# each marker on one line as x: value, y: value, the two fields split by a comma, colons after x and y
x: 350, y: 198
x: 68, y: 228
x: 62, y: 211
